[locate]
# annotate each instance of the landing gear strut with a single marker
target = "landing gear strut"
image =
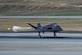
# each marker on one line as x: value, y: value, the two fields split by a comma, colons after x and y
x: 54, y: 34
x: 39, y: 35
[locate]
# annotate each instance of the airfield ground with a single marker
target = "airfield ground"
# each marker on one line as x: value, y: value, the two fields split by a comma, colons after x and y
x: 20, y: 46
x: 66, y: 24
x: 41, y: 7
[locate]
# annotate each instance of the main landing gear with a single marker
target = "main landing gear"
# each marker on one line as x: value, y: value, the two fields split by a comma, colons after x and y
x: 54, y: 34
x: 39, y: 35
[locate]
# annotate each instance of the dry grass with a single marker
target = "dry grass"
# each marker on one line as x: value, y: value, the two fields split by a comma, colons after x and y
x: 66, y: 24
x: 40, y: 7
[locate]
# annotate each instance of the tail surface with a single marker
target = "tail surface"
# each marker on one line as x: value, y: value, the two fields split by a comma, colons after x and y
x: 38, y: 26
x: 32, y: 25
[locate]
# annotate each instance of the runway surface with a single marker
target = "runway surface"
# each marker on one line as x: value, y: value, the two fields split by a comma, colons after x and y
x: 41, y: 17
x: 42, y: 46
x: 10, y: 46
x: 27, y: 35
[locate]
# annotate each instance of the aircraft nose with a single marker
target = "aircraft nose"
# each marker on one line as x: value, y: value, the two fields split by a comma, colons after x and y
x: 59, y: 28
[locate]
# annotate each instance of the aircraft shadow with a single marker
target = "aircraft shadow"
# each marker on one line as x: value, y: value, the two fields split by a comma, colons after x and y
x: 34, y: 37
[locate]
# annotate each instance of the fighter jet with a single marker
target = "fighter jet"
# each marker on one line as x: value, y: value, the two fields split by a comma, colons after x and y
x: 53, y: 27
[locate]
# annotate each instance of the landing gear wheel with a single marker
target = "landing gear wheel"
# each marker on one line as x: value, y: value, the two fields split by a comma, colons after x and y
x: 39, y: 35
x: 54, y: 34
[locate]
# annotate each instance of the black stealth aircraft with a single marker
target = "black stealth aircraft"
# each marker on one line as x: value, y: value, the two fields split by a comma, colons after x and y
x: 54, y: 27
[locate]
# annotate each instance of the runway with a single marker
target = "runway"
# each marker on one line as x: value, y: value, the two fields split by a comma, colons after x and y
x: 10, y: 46
x: 19, y: 17
x: 41, y: 46
x: 35, y: 35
